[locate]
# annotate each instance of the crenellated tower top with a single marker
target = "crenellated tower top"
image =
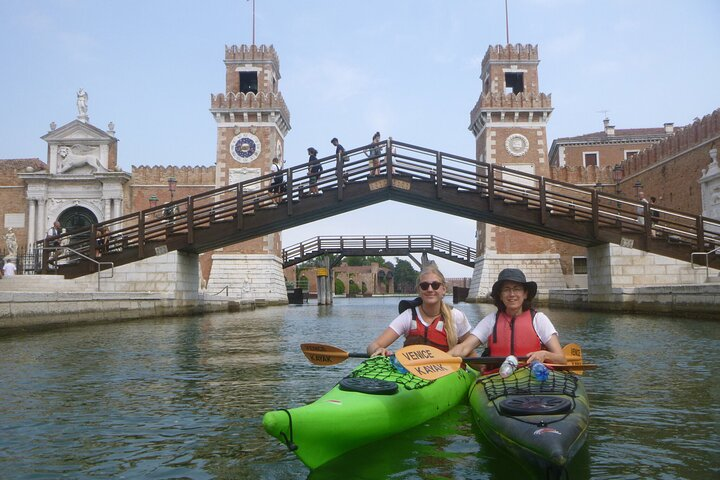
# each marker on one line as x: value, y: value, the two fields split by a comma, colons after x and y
x: 511, y: 53
x: 252, y: 95
x: 249, y: 58
x: 510, y: 89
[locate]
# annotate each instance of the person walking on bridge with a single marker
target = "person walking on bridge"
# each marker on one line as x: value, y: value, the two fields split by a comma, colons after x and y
x: 374, y: 153
x: 315, y: 168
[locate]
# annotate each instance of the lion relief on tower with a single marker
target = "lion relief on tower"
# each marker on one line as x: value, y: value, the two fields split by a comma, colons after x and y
x: 80, y: 159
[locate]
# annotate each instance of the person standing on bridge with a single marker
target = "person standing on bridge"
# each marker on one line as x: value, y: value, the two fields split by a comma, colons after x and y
x: 374, y: 153
x: 516, y: 328
x: 315, y: 168
x: 278, y: 181
x: 339, y: 149
x: 433, y: 323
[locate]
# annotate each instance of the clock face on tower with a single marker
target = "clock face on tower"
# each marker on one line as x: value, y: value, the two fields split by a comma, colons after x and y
x: 245, y: 147
x: 517, y: 145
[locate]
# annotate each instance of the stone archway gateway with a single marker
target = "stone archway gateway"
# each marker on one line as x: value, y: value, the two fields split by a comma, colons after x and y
x: 77, y: 218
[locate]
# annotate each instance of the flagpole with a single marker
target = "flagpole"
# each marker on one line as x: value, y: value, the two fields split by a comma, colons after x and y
x: 507, y: 23
x: 254, y: 22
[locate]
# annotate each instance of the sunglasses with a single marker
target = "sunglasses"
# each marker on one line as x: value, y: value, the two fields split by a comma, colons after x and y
x: 425, y: 285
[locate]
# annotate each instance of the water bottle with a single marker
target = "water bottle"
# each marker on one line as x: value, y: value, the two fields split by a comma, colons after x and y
x: 398, y: 366
x: 539, y: 371
x: 508, y: 366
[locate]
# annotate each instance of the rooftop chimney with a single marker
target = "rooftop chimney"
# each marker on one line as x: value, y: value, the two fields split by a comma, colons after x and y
x: 609, y: 129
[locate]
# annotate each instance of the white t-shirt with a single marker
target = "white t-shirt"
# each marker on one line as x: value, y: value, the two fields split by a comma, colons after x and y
x: 403, y: 322
x: 9, y: 269
x: 542, y: 324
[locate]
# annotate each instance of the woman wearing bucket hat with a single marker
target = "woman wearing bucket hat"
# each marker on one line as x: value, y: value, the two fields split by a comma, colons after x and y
x: 428, y: 323
x: 516, y: 328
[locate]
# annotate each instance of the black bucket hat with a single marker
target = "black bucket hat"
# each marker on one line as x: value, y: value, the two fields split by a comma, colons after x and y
x: 514, y: 275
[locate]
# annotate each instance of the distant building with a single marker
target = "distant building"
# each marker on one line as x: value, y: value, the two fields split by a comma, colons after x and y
x: 607, y: 148
x: 370, y: 279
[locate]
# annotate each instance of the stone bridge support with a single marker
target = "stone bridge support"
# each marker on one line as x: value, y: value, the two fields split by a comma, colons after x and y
x: 612, y: 269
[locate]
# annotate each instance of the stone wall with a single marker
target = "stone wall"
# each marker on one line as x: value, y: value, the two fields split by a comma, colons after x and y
x: 614, y: 267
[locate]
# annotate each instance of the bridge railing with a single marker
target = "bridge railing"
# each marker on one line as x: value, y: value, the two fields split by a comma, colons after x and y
x: 397, y: 160
x: 377, y: 244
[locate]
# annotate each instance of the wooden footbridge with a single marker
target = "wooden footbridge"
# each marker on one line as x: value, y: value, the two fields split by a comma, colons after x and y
x: 409, y: 174
x: 383, y: 245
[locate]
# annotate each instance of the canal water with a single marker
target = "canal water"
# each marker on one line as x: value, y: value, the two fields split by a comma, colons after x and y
x: 183, y: 398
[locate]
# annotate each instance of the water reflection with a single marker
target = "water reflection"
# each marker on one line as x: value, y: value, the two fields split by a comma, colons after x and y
x: 184, y: 398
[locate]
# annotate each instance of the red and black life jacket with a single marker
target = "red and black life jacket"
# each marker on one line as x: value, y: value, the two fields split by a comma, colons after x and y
x: 514, y: 335
x: 433, y: 335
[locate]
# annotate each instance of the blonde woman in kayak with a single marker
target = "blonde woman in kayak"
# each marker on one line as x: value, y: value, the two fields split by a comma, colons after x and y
x: 425, y: 323
x: 516, y: 328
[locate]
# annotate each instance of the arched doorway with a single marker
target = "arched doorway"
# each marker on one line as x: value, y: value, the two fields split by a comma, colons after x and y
x: 76, y: 217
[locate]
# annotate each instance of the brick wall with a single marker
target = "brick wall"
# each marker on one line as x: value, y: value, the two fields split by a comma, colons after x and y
x: 671, y: 169
x: 13, y: 198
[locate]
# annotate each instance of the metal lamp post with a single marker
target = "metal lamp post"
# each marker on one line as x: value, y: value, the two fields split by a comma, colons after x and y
x: 618, y: 173
x: 172, y: 185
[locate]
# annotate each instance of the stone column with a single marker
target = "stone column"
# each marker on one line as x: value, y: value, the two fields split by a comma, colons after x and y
x: 107, y: 208
x: 41, y: 214
x: 32, y: 221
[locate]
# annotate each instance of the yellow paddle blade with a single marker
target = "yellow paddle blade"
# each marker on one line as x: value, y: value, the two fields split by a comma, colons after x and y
x: 427, y: 362
x: 573, y: 356
x: 321, y: 354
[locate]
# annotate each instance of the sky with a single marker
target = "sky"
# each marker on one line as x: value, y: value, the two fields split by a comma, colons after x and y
x: 407, y: 68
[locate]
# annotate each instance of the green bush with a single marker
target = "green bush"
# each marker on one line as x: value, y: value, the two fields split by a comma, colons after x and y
x: 339, y: 287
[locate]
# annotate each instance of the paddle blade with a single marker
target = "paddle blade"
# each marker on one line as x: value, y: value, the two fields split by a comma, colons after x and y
x: 321, y: 354
x: 427, y: 362
x: 573, y: 356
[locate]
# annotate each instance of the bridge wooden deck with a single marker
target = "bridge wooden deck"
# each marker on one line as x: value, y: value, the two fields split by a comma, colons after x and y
x: 410, y: 174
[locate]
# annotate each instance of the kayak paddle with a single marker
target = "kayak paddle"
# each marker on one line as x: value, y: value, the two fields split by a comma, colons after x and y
x: 321, y: 354
x: 431, y: 363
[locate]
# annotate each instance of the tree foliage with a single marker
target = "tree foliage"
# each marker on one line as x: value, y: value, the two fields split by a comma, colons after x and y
x: 339, y: 287
x: 405, y: 277
x: 364, y: 261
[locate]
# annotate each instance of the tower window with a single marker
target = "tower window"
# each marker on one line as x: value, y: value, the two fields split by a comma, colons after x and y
x: 514, y: 82
x: 590, y: 158
x: 248, y: 82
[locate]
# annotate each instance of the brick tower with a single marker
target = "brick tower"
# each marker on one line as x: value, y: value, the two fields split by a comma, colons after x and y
x: 509, y: 124
x: 252, y: 121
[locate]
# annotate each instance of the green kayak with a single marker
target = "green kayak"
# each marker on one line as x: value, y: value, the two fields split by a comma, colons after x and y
x: 373, y: 402
x: 542, y: 422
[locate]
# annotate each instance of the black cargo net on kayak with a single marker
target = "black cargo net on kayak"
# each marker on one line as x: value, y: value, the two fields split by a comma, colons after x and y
x: 525, y: 396
x: 558, y: 383
x: 382, y: 369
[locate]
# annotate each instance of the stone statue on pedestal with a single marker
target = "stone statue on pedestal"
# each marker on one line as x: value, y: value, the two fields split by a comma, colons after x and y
x: 82, y: 105
x: 10, y: 243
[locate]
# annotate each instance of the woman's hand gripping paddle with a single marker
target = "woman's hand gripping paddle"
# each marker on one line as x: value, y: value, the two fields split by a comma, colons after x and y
x: 430, y: 363
x: 321, y: 354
